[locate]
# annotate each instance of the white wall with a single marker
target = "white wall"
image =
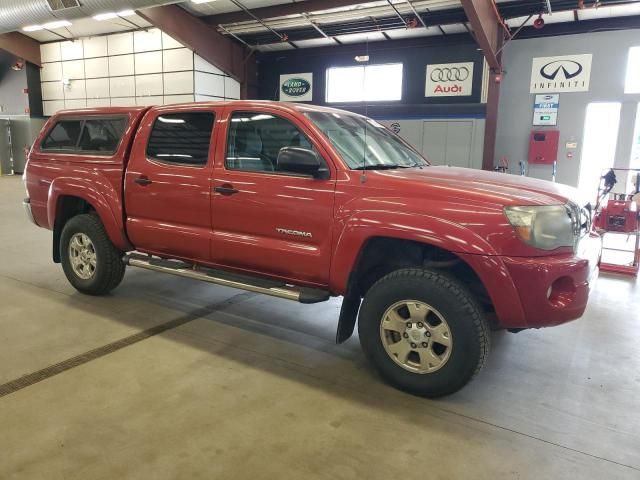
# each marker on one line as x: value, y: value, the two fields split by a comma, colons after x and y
x: 131, y: 68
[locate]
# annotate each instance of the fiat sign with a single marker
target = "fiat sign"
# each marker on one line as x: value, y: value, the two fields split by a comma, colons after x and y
x: 449, y: 80
x: 568, y: 73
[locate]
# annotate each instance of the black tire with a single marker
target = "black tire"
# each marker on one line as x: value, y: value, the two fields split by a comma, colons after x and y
x: 109, y: 268
x: 469, y: 331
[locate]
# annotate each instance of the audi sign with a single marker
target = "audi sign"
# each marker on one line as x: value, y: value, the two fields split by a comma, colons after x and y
x: 449, y: 80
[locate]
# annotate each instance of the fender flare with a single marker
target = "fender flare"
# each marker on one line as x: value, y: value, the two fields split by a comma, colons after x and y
x: 363, y: 226
x: 100, y: 195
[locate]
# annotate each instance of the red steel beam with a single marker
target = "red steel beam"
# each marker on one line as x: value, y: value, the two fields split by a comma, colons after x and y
x: 281, y: 10
x: 21, y: 46
x: 200, y: 37
x: 487, y: 27
x: 491, y: 115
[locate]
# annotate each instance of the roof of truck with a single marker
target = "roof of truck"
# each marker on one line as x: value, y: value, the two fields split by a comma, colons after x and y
x: 232, y: 103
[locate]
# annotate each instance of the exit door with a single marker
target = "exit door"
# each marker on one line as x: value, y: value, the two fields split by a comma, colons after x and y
x: 448, y: 142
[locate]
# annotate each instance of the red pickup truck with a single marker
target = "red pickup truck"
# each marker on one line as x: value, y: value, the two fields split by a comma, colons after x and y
x: 305, y: 203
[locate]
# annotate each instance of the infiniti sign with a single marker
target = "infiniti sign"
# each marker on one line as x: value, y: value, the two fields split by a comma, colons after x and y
x: 568, y: 68
x: 568, y: 73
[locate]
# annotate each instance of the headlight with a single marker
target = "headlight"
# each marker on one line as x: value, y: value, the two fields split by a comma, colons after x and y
x: 546, y: 227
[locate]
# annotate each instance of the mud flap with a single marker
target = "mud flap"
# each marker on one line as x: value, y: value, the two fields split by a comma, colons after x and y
x: 348, y: 316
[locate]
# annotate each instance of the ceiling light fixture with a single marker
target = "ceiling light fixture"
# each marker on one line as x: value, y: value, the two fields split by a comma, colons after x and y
x: 111, y: 15
x: 202, y: 1
x: 56, y: 24
x: 361, y: 58
x: 32, y: 28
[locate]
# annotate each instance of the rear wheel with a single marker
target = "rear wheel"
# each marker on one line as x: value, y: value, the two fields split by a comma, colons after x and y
x: 423, y: 332
x: 90, y: 261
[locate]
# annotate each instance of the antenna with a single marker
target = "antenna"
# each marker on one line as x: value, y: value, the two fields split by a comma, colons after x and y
x: 363, y: 177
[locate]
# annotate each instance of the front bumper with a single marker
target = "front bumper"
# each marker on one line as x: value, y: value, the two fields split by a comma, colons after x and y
x: 555, y: 289
x: 534, y: 292
x: 26, y: 203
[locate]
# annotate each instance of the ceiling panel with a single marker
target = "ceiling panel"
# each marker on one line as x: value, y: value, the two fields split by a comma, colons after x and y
x: 87, y: 27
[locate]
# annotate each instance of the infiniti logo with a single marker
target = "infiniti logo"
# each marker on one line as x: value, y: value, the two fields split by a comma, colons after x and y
x: 569, y: 69
x: 453, y: 74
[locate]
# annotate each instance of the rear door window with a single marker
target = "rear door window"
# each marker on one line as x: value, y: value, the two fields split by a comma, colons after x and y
x: 63, y: 136
x: 181, y: 138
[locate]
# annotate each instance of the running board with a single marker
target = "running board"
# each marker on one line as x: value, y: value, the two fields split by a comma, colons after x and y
x: 227, y: 279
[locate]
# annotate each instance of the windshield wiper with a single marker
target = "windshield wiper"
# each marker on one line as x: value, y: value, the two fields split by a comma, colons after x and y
x: 380, y: 166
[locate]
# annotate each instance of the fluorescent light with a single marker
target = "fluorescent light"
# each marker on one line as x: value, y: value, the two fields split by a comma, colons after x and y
x: 105, y: 16
x: 57, y: 24
x: 202, y: 1
x: 361, y: 58
x: 32, y: 28
x: 111, y: 15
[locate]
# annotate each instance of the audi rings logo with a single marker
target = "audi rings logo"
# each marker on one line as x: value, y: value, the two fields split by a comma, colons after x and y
x: 569, y: 69
x: 449, y: 80
x: 450, y: 74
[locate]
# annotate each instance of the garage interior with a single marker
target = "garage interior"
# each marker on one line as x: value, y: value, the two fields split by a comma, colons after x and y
x: 174, y: 378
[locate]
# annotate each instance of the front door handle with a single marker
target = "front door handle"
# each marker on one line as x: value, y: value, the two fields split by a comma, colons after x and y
x: 143, y: 180
x: 226, y: 190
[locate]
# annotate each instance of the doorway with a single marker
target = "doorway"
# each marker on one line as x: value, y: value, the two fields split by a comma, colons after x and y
x: 448, y: 142
x: 599, y: 144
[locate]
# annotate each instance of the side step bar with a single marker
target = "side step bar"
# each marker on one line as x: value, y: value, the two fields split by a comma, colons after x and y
x: 227, y: 279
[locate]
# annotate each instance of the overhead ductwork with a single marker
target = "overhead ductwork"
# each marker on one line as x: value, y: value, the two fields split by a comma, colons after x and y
x: 16, y: 14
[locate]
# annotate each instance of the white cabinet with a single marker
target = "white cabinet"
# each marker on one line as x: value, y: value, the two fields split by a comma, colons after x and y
x: 98, y: 88
x: 203, y: 66
x: 120, y: 43
x: 95, y: 47
x: 178, y: 83
x: 50, y: 52
x: 150, y: 101
x: 146, y: 41
x: 121, y: 65
x: 79, y: 103
x: 123, y: 102
x: 169, y: 99
x: 73, y: 69
x: 96, y: 67
x: 147, y: 85
x: 51, y: 71
x: 75, y: 90
x: 98, y: 102
x: 52, y: 91
x: 149, y: 62
x: 51, y: 107
x: 178, y: 59
x: 71, y: 50
x: 231, y: 88
x: 122, y: 86
x: 209, y: 84
x: 170, y: 42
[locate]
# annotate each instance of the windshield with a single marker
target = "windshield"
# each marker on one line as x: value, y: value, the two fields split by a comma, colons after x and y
x: 364, y: 143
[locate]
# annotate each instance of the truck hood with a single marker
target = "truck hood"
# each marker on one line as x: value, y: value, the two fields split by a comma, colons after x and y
x: 499, y: 189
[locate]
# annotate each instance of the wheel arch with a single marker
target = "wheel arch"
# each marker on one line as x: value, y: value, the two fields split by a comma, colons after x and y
x: 71, y: 197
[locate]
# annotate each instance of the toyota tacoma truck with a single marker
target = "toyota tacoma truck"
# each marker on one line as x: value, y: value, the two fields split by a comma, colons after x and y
x: 307, y: 203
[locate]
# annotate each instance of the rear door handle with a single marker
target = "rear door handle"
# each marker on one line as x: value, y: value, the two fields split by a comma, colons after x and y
x: 143, y: 181
x: 226, y: 190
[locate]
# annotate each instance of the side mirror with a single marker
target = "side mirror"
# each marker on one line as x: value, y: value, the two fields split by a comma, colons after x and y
x: 301, y: 160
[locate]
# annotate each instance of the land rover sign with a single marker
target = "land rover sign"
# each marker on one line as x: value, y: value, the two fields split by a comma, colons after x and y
x: 296, y: 87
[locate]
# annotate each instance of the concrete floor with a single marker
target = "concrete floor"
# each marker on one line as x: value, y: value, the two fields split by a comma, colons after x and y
x: 254, y: 387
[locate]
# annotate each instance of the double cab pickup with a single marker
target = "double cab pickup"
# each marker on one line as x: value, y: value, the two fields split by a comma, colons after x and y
x: 307, y: 203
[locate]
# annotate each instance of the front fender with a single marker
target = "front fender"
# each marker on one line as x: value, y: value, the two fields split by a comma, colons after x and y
x: 362, y: 226
x: 100, y: 194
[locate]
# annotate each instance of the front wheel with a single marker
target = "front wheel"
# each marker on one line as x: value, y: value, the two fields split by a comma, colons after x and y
x: 89, y: 260
x: 423, y: 332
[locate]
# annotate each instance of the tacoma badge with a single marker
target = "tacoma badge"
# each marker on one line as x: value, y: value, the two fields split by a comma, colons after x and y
x: 295, y: 233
